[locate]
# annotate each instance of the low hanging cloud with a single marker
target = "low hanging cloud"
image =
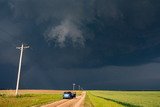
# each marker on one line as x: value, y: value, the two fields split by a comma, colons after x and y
x: 66, y: 31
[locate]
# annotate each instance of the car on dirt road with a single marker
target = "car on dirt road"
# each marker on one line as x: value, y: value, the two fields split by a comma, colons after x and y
x: 69, y: 95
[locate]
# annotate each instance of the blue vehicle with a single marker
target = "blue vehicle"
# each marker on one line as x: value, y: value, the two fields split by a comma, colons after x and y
x: 69, y: 95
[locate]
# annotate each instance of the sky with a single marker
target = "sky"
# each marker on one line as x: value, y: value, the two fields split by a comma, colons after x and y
x: 98, y: 44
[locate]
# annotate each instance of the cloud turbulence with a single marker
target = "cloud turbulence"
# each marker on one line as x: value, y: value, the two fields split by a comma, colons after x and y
x: 66, y: 30
x: 99, y: 44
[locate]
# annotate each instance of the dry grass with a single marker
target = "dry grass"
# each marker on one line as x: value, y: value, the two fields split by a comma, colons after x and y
x: 27, y: 98
x: 12, y: 92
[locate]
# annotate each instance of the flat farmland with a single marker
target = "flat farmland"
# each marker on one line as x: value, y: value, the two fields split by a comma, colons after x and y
x: 12, y: 92
x: 37, y: 98
x: 28, y: 98
x: 122, y: 99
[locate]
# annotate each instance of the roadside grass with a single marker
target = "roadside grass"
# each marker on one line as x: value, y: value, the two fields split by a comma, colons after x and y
x: 87, y: 101
x: 125, y: 98
x: 27, y: 100
x: 94, y: 101
x: 78, y: 93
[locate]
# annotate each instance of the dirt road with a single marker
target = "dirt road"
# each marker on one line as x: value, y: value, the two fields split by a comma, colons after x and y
x: 76, y: 102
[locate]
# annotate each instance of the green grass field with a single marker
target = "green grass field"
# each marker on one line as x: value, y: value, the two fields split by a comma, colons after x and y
x: 122, y: 99
x: 36, y: 98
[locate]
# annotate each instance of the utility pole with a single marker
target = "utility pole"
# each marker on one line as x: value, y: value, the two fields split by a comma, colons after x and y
x: 74, y: 86
x: 20, y: 63
x: 79, y: 87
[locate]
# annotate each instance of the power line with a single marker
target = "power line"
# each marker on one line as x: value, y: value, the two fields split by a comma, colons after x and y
x: 11, y: 36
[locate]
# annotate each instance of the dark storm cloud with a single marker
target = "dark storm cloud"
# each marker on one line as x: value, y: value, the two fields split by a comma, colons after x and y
x: 109, y: 77
x: 65, y: 17
x: 70, y: 40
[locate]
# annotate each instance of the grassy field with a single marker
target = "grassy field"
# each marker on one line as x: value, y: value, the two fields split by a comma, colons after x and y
x: 28, y: 98
x: 122, y: 99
